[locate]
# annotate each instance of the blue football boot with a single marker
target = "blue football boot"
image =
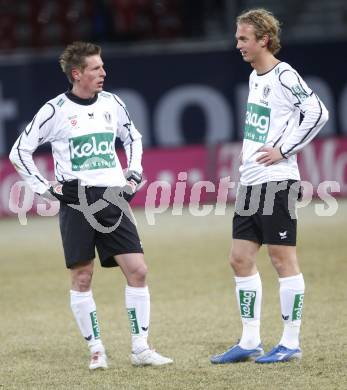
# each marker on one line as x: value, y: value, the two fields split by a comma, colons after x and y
x: 280, y: 353
x: 237, y: 354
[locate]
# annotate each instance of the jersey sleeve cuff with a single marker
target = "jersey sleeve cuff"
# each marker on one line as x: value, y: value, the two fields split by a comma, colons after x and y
x: 283, y: 154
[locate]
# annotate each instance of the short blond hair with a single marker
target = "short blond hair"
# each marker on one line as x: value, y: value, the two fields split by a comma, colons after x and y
x: 74, y: 56
x: 264, y: 23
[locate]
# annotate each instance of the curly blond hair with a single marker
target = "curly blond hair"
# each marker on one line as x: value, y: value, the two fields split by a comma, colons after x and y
x: 74, y: 56
x: 264, y: 23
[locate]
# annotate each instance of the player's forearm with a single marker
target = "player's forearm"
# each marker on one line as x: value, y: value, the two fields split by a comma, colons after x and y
x: 25, y: 166
x: 134, y: 152
x: 316, y: 115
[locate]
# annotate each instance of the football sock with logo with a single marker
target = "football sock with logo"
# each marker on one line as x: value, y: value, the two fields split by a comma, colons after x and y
x: 248, y: 295
x: 84, y: 310
x: 292, y: 298
x: 137, y: 303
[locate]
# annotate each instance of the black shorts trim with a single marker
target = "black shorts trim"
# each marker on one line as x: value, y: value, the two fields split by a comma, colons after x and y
x: 80, y: 239
x: 268, y: 216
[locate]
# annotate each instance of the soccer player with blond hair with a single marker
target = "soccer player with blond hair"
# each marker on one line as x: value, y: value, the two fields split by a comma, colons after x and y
x: 283, y: 116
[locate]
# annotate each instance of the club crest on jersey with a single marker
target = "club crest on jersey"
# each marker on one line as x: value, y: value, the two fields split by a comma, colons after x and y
x: 257, y: 123
x: 107, y: 117
x: 73, y: 120
x: 92, y: 151
x: 266, y: 91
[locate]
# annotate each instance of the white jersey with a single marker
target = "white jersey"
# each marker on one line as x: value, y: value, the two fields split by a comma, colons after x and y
x: 82, y: 133
x: 276, y: 102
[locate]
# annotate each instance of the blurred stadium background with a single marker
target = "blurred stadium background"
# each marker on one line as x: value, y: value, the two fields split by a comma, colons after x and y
x: 175, y: 65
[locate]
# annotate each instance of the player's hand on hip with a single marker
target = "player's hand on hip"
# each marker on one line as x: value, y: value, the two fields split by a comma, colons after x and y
x: 66, y: 192
x: 47, y: 195
x: 269, y: 155
x: 134, y: 180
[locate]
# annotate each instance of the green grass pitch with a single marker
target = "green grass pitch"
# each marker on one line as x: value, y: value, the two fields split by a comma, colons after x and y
x: 194, y: 313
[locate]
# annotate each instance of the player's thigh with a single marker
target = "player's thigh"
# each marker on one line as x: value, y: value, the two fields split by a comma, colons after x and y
x: 279, y: 225
x: 78, y: 237
x: 123, y: 240
x: 246, y: 223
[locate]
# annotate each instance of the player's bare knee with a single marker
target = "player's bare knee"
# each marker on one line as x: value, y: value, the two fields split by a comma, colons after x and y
x: 285, y: 266
x: 279, y: 263
x: 141, y: 272
x: 81, y: 280
x: 137, y: 276
x: 282, y: 263
x: 238, y: 260
x: 284, y: 260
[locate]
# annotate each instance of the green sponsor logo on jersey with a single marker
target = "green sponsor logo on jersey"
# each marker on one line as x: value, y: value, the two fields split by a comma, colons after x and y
x: 247, y: 300
x: 257, y: 123
x: 92, y: 151
x: 297, y: 307
x: 95, y: 325
x: 134, y: 327
x: 60, y: 102
x: 299, y: 92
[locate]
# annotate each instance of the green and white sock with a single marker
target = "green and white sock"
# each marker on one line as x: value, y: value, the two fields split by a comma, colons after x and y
x: 84, y: 310
x: 248, y: 295
x: 292, y: 291
x: 137, y: 303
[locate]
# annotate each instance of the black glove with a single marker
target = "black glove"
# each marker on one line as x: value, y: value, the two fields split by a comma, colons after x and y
x: 135, y: 178
x: 66, y: 192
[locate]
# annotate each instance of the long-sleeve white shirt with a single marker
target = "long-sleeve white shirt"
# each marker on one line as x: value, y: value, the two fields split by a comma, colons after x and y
x: 282, y: 111
x: 82, y: 133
